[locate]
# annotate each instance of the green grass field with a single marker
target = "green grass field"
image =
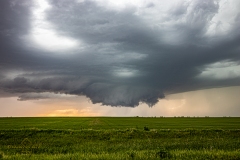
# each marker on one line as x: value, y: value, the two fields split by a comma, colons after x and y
x: 120, y: 138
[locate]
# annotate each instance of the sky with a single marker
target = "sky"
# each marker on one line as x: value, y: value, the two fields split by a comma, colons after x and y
x: 119, y: 58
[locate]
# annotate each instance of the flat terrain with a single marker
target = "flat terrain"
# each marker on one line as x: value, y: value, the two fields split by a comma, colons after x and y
x: 120, y: 138
x: 103, y: 123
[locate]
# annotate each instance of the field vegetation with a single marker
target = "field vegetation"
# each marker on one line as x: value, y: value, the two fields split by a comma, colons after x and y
x: 120, y: 138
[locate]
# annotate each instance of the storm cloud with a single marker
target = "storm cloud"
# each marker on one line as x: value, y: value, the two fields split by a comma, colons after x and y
x: 117, y: 53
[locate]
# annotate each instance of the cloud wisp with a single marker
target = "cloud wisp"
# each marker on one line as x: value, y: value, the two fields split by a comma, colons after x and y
x: 118, y: 53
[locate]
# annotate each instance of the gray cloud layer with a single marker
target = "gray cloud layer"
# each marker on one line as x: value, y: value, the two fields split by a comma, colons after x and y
x: 124, y: 54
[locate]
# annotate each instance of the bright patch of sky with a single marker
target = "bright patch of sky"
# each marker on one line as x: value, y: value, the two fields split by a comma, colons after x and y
x: 221, y: 70
x: 125, y: 72
x: 224, y: 20
x: 44, y: 34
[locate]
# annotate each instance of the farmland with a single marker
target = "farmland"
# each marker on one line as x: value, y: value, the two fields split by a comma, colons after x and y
x: 120, y: 138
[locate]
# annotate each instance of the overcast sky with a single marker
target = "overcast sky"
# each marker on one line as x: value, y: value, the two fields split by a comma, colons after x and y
x: 119, y: 57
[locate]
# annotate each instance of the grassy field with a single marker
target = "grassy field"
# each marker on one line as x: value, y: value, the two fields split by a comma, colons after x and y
x: 120, y: 138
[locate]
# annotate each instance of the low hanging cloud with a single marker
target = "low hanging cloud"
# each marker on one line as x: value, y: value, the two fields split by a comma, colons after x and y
x: 117, y: 53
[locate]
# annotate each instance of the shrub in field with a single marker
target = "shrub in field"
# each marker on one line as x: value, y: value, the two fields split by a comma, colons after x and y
x: 163, y: 154
x: 131, y: 154
x: 145, y: 128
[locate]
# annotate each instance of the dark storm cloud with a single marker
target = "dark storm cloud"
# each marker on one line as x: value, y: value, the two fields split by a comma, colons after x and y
x: 14, y: 17
x: 125, y: 55
x: 15, y: 22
